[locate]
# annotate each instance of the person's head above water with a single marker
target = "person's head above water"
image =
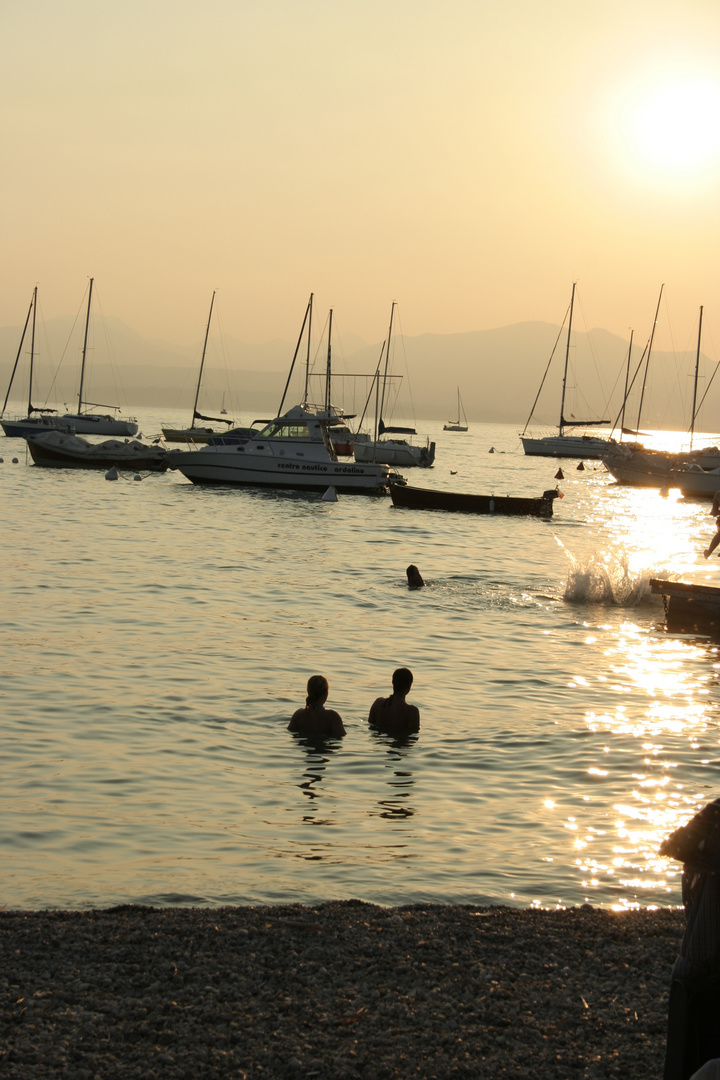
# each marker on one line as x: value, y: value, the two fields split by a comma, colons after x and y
x: 414, y: 577
x: 318, y: 689
x: 402, y: 680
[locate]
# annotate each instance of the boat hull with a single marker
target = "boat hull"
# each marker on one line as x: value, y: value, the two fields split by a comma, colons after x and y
x: 20, y: 429
x: 190, y: 435
x: 398, y: 453
x: 689, y: 608
x: 696, y: 482
x: 225, y: 465
x: 95, y: 424
x: 58, y: 450
x: 463, y: 502
x: 566, y: 446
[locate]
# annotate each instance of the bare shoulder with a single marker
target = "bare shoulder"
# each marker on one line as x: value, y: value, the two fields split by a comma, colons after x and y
x: 375, y: 710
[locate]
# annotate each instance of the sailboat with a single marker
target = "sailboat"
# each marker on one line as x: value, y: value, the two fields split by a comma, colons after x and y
x: 695, y: 472
x: 391, y: 451
x: 457, y: 425
x: 87, y: 423
x: 195, y: 433
x: 562, y: 444
x: 37, y: 419
x: 292, y: 451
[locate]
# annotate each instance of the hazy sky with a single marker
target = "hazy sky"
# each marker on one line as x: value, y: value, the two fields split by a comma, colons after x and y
x: 467, y: 159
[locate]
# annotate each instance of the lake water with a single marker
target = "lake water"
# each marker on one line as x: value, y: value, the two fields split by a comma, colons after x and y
x: 157, y: 636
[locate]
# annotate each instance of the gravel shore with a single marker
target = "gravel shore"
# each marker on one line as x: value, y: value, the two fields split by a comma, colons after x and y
x: 336, y: 991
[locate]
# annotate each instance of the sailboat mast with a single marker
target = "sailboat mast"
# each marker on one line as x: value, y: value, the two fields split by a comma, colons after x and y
x: 697, y: 365
x: 561, y: 425
x: 328, y: 369
x: 84, y: 351
x: 32, y: 352
x: 647, y: 361
x: 387, y: 359
x: 202, y: 360
x: 625, y: 394
x: 19, y: 352
x: 307, y: 355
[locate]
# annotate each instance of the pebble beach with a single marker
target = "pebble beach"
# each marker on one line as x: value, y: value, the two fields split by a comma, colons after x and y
x: 337, y: 991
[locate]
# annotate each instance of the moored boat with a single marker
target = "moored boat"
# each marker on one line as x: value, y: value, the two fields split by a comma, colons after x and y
x: 196, y: 433
x: 384, y: 447
x: 293, y: 451
x: 689, y: 608
x: 37, y: 418
x: 415, y: 498
x: 562, y: 444
x: 63, y: 450
x: 87, y: 423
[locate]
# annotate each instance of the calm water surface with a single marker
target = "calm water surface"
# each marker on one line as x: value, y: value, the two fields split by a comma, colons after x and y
x: 157, y: 636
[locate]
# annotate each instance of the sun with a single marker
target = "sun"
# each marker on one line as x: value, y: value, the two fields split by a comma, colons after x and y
x: 670, y: 125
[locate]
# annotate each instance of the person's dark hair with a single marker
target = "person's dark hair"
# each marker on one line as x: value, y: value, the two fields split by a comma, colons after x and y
x: 317, y: 688
x: 402, y: 680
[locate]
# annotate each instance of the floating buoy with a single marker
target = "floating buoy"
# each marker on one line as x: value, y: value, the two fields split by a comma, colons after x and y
x: 137, y: 476
x: 112, y: 473
x: 330, y: 495
x: 581, y: 467
x: 491, y: 450
x: 559, y: 475
x: 453, y: 472
x: 15, y: 461
x: 1, y: 460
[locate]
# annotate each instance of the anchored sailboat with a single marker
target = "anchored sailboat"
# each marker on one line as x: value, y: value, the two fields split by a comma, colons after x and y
x: 88, y: 423
x: 196, y: 433
x: 38, y: 419
x: 459, y: 424
x: 392, y: 450
x: 563, y: 445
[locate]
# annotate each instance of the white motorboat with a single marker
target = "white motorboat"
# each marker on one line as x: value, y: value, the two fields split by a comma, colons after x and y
x: 85, y: 423
x: 293, y: 451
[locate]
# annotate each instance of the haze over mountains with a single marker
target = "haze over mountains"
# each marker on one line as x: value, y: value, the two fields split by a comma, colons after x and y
x: 498, y: 372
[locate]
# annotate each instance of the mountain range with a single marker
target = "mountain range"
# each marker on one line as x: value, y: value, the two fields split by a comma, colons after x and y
x: 498, y: 372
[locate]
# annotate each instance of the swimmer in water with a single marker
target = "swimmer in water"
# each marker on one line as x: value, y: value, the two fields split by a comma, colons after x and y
x: 315, y: 719
x: 414, y: 577
x: 393, y: 713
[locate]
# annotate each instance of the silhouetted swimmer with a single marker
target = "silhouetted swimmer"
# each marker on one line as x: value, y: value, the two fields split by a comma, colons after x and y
x: 414, y: 577
x: 714, y: 542
x: 393, y: 713
x: 315, y: 719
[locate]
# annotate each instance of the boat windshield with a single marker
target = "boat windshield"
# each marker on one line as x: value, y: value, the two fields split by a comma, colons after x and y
x: 285, y: 429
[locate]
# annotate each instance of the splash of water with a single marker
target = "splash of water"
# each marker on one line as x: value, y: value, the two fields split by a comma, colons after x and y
x: 605, y: 579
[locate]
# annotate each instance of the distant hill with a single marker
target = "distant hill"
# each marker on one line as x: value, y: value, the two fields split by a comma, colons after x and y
x: 498, y: 372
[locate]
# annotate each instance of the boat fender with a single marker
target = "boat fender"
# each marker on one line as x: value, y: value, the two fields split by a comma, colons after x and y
x: 491, y: 506
x: 112, y: 473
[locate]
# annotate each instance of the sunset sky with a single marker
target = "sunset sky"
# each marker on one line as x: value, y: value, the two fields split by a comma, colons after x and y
x: 469, y: 160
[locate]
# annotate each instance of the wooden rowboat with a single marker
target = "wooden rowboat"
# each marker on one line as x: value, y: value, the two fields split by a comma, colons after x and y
x: 416, y: 498
x: 689, y: 608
